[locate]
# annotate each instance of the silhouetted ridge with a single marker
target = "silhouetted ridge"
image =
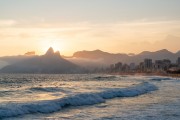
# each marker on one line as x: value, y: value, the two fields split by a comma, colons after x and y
x: 50, y: 51
x: 90, y: 59
x: 110, y: 58
x: 178, y: 53
x: 57, y: 53
x: 145, y: 53
x: 164, y: 51
x: 51, y: 62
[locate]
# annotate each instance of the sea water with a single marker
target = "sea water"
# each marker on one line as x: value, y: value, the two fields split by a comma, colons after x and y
x: 88, y: 97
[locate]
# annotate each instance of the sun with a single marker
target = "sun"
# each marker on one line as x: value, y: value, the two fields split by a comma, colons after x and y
x: 55, y: 43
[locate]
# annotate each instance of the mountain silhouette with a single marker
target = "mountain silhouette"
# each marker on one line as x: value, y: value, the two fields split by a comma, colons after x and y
x: 109, y: 58
x: 51, y: 62
x: 50, y: 52
x: 104, y: 57
x: 157, y: 55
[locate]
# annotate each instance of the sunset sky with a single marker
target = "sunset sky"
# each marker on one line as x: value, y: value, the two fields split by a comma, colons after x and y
x: 116, y: 26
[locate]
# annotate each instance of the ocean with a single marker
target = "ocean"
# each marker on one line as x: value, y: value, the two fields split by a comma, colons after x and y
x: 88, y: 97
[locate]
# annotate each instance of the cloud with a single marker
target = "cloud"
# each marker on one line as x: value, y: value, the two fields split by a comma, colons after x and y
x: 129, y: 36
x: 170, y: 42
x: 6, y: 23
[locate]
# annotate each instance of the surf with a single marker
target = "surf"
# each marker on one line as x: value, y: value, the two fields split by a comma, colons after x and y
x: 49, y: 106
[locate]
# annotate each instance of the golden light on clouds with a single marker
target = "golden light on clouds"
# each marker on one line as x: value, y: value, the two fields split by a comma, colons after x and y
x: 120, y: 37
x: 5, y: 23
x: 118, y: 26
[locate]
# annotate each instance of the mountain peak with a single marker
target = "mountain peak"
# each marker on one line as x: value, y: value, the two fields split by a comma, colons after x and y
x: 57, y: 53
x: 50, y: 51
x: 145, y: 53
x: 51, y: 62
x: 97, y: 50
x: 164, y: 50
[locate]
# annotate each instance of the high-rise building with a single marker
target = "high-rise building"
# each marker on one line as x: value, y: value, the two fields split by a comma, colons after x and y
x: 178, y: 61
x: 132, y: 66
x: 118, y: 66
x: 166, y: 64
x: 148, y: 64
x: 158, y: 64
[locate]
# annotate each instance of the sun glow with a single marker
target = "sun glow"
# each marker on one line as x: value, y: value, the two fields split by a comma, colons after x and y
x: 55, y: 43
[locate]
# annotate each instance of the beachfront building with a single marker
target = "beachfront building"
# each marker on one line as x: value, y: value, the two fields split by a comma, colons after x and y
x: 112, y: 68
x: 141, y: 67
x: 162, y: 65
x: 166, y: 64
x: 158, y: 65
x: 118, y: 67
x: 132, y: 67
x: 125, y: 68
x: 178, y: 61
x: 148, y: 65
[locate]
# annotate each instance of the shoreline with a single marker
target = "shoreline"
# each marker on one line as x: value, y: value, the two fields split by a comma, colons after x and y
x: 149, y: 74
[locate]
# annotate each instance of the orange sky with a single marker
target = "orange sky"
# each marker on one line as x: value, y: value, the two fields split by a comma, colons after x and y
x: 74, y: 26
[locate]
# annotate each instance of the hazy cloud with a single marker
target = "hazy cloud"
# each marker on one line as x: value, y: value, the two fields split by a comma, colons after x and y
x: 124, y: 37
x: 5, y: 23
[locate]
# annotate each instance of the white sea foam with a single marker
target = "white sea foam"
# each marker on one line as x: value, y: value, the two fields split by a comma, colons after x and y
x: 49, y: 106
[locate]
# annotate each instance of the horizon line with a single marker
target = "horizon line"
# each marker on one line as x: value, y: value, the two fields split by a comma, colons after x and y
x: 87, y: 51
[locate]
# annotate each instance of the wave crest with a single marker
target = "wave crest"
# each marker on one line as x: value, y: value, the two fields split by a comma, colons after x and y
x: 160, y: 78
x: 49, y: 106
x: 104, y: 77
x: 47, y: 89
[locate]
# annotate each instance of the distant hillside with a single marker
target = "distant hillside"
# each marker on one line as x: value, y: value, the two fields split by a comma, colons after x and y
x: 51, y: 62
x: 15, y: 59
x: 157, y: 55
x: 55, y: 63
x: 109, y: 58
x: 3, y: 64
x: 97, y: 56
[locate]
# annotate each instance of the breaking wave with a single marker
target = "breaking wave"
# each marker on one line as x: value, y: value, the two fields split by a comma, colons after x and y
x: 49, y: 106
x: 47, y: 89
x: 160, y: 78
x: 104, y: 77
